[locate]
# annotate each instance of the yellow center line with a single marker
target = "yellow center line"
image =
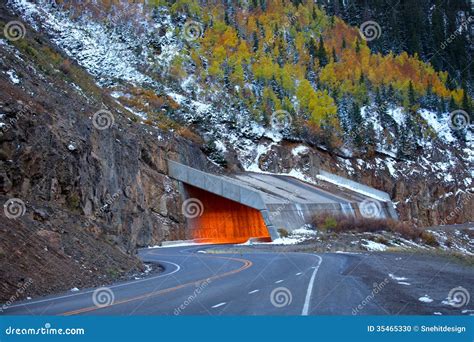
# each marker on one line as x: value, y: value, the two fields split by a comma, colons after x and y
x: 246, y: 264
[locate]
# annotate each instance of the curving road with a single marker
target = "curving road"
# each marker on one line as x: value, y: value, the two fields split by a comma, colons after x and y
x: 199, y: 282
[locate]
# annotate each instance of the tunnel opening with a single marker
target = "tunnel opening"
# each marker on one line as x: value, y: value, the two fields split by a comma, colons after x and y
x: 224, y: 221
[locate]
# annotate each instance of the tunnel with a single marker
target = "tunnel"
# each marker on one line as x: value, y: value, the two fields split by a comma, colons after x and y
x: 222, y: 220
x: 239, y: 206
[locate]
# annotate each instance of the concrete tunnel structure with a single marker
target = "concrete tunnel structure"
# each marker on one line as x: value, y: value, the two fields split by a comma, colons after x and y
x: 235, y: 208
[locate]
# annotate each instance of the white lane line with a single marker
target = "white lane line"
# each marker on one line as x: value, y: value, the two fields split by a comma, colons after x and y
x: 310, y: 288
x: 279, y: 281
x: 218, y: 305
x: 133, y: 282
x: 254, y: 291
x: 299, y: 273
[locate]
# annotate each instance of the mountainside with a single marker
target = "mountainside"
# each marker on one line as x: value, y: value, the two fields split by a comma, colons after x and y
x: 252, y: 78
x: 89, y: 196
x: 97, y: 95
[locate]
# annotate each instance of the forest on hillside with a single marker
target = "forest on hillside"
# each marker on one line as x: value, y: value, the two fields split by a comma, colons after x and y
x: 322, y: 68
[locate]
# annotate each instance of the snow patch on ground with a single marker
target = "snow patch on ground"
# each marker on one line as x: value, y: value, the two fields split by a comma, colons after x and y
x: 103, y: 51
x: 301, y: 149
x: 13, y: 76
x: 397, y: 114
x: 262, y: 149
x: 441, y: 127
x: 296, y: 236
x: 390, y: 164
x: 451, y: 302
x: 394, y: 277
x: 171, y: 244
x: 425, y: 299
x: 348, y: 184
x: 304, y: 231
x: 287, y: 241
x: 373, y: 246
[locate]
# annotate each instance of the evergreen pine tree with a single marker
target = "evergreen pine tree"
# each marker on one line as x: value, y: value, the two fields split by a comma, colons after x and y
x: 430, y: 100
x: 312, y: 49
x: 255, y: 41
x: 452, y: 104
x: 355, y: 122
x: 322, y: 55
x: 381, y: 109
x: 370, y: 139
x: 357, y: 47
x: 466, y: 102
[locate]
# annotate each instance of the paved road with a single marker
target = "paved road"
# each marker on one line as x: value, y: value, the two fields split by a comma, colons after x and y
x: 197, y: 281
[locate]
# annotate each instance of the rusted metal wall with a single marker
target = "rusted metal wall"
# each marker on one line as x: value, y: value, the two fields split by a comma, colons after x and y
x: 224, y: 221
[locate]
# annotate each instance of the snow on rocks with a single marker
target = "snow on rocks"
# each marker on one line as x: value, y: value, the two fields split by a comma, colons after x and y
x: 13, y: 76
x: 262, y: 149
x: 441, y: 127
x: 103, y: 51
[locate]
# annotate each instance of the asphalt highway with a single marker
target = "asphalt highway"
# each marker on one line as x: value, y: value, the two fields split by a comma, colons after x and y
x: 197, y: 281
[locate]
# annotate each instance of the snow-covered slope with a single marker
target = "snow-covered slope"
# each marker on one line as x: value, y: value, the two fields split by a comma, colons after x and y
x: 141, y: 54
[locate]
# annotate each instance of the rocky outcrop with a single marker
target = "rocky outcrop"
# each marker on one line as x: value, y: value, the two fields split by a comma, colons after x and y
x: 91, y: 196
x: 421, y: 198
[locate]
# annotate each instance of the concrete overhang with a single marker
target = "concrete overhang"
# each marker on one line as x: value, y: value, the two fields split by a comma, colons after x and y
x: 284, y: 201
